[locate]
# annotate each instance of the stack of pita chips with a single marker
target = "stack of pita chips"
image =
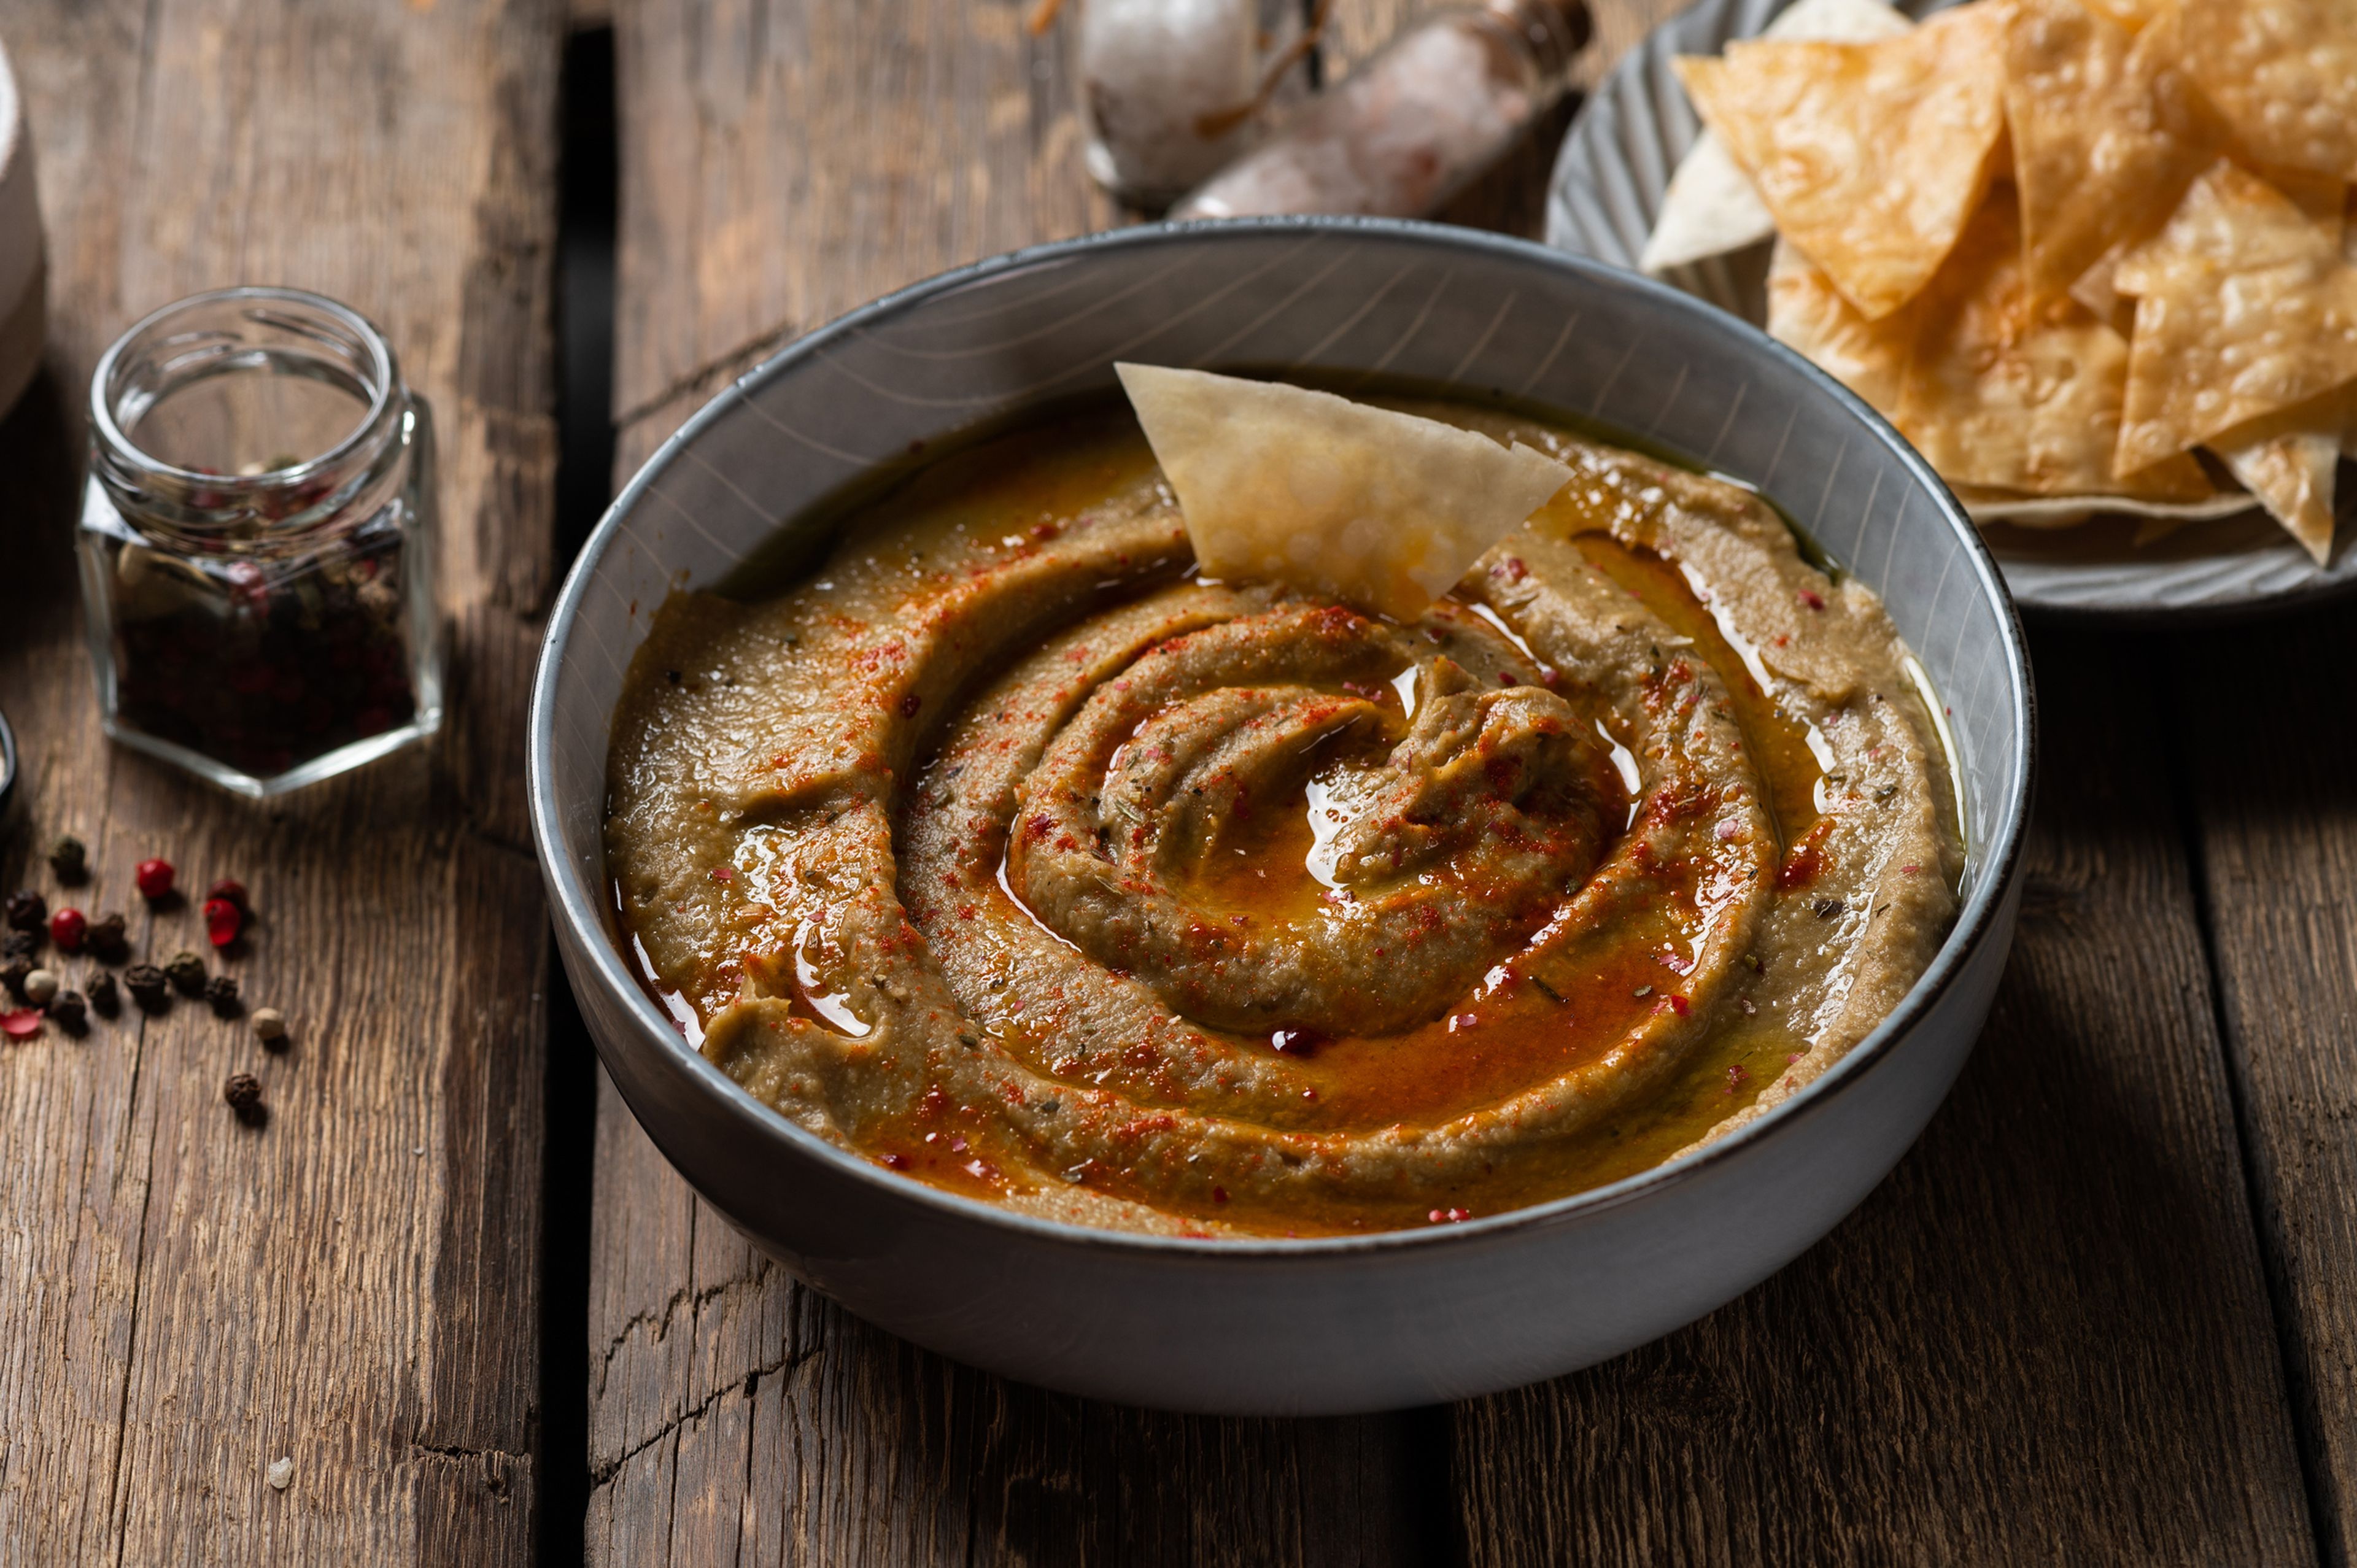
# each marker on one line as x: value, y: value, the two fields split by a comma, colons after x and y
x: 2089, y: 256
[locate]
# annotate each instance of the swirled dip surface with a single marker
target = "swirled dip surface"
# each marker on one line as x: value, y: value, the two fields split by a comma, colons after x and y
x: 1007, y: 854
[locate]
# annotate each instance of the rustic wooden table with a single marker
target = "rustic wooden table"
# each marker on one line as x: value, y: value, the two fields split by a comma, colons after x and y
x: 2101, y: 1314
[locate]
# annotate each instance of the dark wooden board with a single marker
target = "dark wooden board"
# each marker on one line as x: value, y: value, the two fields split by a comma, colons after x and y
x: 2045, y: 1338
x: 353, y: 1287
x: 2269, y: 737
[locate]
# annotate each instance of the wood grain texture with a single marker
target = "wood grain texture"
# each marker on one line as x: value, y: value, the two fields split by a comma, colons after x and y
x: 2265, y: 727
x: 351, y: 1287
x: 2045, y: 1338
x: 783, y: 161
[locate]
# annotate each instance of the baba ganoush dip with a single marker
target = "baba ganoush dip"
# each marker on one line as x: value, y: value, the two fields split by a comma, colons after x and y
x: 1010, y: 853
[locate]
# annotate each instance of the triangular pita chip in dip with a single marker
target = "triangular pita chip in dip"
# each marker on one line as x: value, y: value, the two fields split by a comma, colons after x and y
x: 2002, y: 388
x: 2244, y: 307
x: 2284, y: 72
x: 1872, y: 156
x: 2107, y: 134
x: 1710, y: 207
x: 1281, y: 483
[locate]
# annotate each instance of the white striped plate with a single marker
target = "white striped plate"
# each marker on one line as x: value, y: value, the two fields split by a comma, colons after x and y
x: 1601, y: 201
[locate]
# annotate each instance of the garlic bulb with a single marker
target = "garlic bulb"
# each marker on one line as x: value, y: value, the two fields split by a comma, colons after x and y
x: 1173, y: 90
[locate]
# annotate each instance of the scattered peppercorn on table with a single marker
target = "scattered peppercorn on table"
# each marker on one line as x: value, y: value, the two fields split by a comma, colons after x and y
x: 276, y: 1285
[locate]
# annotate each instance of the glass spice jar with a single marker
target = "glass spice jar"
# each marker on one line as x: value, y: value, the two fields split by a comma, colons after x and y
x: 257, y: 542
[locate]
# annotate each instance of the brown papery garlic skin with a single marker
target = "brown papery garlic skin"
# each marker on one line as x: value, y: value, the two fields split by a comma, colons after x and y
x: 1173, y: 89
x: 1412, y: 126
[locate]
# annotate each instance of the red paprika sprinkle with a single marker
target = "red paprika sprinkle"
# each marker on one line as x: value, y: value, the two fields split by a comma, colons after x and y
x: 1679, y: 1006
x: 222, y: 922
x: 1736, y: 1078
x: 1450, y: 1216
x: 1813, y: 600
x: 67, y: 928
x: 155, y: 878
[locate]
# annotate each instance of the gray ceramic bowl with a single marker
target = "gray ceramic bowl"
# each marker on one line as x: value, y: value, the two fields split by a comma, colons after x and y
x: 1313, y: 1325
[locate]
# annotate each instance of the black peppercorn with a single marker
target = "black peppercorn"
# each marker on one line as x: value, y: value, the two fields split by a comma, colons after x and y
x: 243, y: 1092
x: 186, y: 970
x: 222, y: 991
x: 20, y: 944
x: 28, y: 910
x: 106, y: 940
x: 149, y: 986
x: 103, y: 994
x: 69, y: 1013
x: 14, y: 975
x: 68, y: 859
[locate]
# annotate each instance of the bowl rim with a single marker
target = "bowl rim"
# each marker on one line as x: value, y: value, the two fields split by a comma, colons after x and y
x: 1998, y: 862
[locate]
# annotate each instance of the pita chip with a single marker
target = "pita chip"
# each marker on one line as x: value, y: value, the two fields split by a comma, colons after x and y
x: 2244, y: 307
x: 2006, y: 390
x: 1871, y: 157
x: 1986, y: 504
x: 1710, y: 207
x: 2283, y: 73
x: 2293, y: 478
x: 2130, y: 14
x: 2097, y: 290
x: 1807, y: 312
x: 1281, y: 483
x: 2106, y: 133
x: 2291, y: 462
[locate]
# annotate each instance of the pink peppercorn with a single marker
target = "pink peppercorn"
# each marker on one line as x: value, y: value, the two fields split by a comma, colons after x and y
x: 155, y: 878
x: 67, y: 928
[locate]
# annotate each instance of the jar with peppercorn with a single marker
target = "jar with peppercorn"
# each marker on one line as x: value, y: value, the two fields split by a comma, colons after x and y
x: 257, y: 542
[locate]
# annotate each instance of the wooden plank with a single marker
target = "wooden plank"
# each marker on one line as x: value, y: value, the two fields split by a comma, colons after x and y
x: 2274, y: 812
x: 351, y: 1287
x: 783, y: 161
x: 2045, y: 1338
